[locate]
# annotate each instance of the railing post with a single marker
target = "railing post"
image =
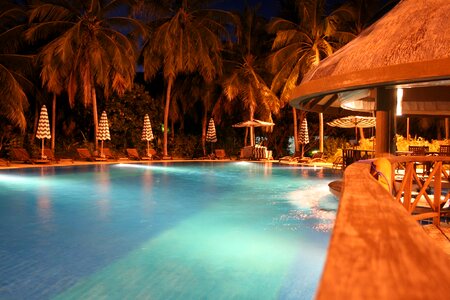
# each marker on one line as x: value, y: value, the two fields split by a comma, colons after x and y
x: 437, y: 192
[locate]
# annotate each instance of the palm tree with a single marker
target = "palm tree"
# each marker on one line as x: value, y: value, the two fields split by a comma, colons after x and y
x: 187, y: 40
x: 90, y: 50
x: 301, y: 44
x: 245, y: 81
x: 13, y: 66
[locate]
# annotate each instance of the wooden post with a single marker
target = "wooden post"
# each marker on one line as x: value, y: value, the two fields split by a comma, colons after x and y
x: 437, y: 193
x: 447, y: 128
x: 407, y: 129
x: 385, y: 123
x: 321, y: 132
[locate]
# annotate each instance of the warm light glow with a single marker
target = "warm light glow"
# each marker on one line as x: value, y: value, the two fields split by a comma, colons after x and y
x: 399, y: 101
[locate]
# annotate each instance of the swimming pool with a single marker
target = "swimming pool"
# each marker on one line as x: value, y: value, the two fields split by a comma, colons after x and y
x: 164, y: 231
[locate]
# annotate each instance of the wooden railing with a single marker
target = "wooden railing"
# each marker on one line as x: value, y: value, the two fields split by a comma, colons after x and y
x: 420, y: 193
x: 377, y: 251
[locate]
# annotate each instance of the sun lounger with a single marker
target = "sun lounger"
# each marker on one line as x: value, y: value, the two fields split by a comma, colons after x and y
x: 84, y: 154
x: 20, y: 155
x: 220, y: 153
x: 134, y: 154
x: 108, y: 154
x: 4, y: 162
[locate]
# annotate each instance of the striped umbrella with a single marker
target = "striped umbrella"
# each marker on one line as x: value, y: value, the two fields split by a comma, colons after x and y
x: 43, y: 131
x: 147, y: 133
x: 211, y: 134
x: 354, y: 122
x: 303, y: 136
x: 103, y: 131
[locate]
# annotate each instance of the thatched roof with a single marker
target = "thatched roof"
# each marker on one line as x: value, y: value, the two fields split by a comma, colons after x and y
x: 410, y: 44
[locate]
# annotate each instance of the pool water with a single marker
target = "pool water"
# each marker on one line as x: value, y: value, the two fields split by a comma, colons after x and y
x: 164, y: 231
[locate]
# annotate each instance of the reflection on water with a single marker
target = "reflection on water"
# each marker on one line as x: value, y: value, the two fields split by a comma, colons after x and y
x: 314, y: 203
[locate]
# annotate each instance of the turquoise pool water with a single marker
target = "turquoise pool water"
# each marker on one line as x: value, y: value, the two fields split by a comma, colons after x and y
x: 164, y: 231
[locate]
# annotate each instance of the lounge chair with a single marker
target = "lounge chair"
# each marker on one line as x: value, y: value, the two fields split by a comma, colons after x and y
x: 4, y: 162
x: 134, y: 154
x: 108, y: 154
x: 84, y: 154
x: 153, y: 154
x: 20, y: 155
x: 50, y: 155
x: 220, y: 153
x: 247, y: 152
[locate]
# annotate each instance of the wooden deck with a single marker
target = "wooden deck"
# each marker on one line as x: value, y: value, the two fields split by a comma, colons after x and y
x: 377, y: 250
x: 441, y: 235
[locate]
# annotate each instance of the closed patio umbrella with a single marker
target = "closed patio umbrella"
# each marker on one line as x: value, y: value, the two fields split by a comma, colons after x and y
x: 211, y: 133
x: 303, y: 136
x: 354, y: 122
x: 43, y: 131
x: 147, y: 133
x: 103, y: 131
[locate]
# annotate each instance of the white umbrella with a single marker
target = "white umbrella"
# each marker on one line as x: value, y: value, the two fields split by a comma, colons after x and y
x: 147, y: 133
x: 303, y: 136
x: 43, y: 131
x: 354, y: 122
x: 253, y: 123
x: 103, y: 131
x: 211, y: 134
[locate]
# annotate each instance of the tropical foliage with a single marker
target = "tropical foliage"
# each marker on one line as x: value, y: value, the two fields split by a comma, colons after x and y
x: 14, y: 66
x: 88, y: 51
x: 86, y: 56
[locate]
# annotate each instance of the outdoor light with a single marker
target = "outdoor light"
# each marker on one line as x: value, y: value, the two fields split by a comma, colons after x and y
x: 399, y: 101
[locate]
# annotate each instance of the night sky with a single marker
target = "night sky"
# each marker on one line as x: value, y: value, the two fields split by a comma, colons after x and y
x: 268, y: 8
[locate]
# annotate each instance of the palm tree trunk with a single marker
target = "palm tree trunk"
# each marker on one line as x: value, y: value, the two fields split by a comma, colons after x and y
x: 321, y: 132
x: 204, y: 121
x: 53, y: 121
x: 166, y: 116
x: 94, y: 112
x: 35, y: 125
x: 294, y: 116
x: 252, y: 129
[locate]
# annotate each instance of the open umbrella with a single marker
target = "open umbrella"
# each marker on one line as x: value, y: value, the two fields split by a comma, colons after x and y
x: 211, y: 134
x: 43, y: 131
x: 147, y: 133
x: 354, y: 122
x: 103, y: 131
x: 253, y: 123
x: 303, y: 136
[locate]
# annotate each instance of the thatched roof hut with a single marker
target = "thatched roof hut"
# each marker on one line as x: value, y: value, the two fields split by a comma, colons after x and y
x: 409, y: 48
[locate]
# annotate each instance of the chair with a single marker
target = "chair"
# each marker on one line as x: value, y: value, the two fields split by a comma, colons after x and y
x: 153, y: 154
x: 418, y: 150
x: 50, y: 155
x: 108, y: 154
x: 246, y: 152
x: 444, y: 150
x: 21, y: 155
x: 261, y: 152
x: 134, y: 154
x: 220, y: 153
x: 84, y: 154
x: 4, y: 162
